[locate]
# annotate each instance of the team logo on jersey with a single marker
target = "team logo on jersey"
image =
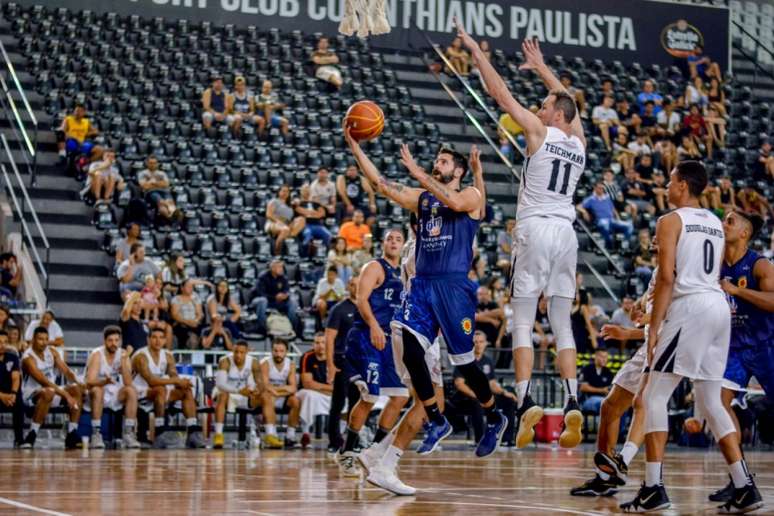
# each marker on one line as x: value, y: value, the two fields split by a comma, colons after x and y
x: 467, y: 325
x: 434, y: 225
x: 742, y: 283
x: 425, y: 203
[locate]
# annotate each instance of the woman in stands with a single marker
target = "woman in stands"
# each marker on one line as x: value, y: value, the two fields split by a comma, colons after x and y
x: 716, y: 96
x: 221, y: 303
x: 174, y: 274
x: 340, y: 258
x: 459, y: 57
x: 280, y: 223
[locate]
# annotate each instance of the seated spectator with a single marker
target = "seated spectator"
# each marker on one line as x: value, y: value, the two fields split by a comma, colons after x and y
x: 605, y: 118
x: 314, y: 214
x: 624, y: 317
x: 279, y: 378
x: 636, y: 192
x: 187, y: 317
x: 104, y: 177
x: 665, y: 153
x: 353, y: 191
x: 645, y: 168
x: 267, y: 103
x: 716, y: 127
x: 124, y: 245
x: 649, y: 93
x: 649, y: 124
x: 77, y: 131
x: 639, y: 146
x: 151, y: 298
x: 717, y: 97
x: 214, y: 102
x: 273, y: 292
x: 505, y: 245
x: 135, y: 331
x: 217, y: 335
x: 6, y: 320
x: 10, y: 387
x: 362, y: 256
x: 621, y: 152
x: 341, y: 258
x: 628, y: 115
x: 614, y: 191
x: 11, y: 276
x: 464, y: 401
x: 325, y: 62
x: 15, y: 340
x: 240, y: 108
x: 606, y: 219
x: 315, y: 392
x: 354, y: 231
x: 696, y: 93
x: 53, y: 331
x: 131, y: 273
x: 330, y: 290
x: 658, y: 192
x: 594, y: 382
x: 696, y: 127
x: 323, y: 191
x: 489, y: 315
x: 458, y: 57
x: 221, y: 303
x: 577, y: 94
x: 174, y: 274
x: 764, y: 166
x: 583, y: 329
x: 700, y: 65
x: 280, y: 222
x: 668, y: 119
x: 155, y: 185
x: 688, y: 149
x: 509, y: 127
x: 752, y: 201
x: 727, y: 194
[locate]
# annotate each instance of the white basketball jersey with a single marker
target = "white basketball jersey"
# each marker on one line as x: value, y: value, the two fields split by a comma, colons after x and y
x: 278, y: 376
x: 239, y: 378
x: 157, y: 369
x: 46, y: 365
x: 109, y: 369
x: 699, y: 253
x: 549, y: 177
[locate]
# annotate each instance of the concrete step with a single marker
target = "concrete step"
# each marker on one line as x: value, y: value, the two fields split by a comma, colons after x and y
x: 74, y: 282
x: 82, y: 338
x: 76, y: 256
x: 85, y: 295
x: 87, y: 310
x: 99, y: 270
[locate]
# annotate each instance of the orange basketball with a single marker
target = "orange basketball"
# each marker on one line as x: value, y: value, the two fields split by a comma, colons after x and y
x: 365, y: 120
x: 692, y: 425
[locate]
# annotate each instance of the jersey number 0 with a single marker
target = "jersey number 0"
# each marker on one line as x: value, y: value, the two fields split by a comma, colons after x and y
x: 555, y: 175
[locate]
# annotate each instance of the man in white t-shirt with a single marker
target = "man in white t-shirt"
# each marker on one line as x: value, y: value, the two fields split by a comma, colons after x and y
x: 668, y: 119
x: 640, y: 145
x: 323, y: 191
x: 55, y: 335
x: 606, y: 120
x: 104, y: 177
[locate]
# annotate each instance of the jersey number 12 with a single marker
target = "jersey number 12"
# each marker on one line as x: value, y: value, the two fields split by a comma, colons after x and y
x: 555, y: 175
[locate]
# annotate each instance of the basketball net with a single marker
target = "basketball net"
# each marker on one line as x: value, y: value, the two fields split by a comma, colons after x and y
x: 364, y: 17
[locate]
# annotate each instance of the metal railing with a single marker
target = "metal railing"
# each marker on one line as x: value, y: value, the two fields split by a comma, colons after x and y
x: 757, y: 67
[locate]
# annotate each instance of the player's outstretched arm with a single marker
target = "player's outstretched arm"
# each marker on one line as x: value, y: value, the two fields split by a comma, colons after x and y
x: 371, y: 276
x: 762, y: 298
x: 667, y: 233
x: 478, y: 177
x: 404, y: 196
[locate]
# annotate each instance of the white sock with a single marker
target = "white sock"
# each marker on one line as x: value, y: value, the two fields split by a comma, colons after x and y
x: 218, y: 428
x: 96, y: 425
x: 603, y: 475
x: 62, y: 153
x: 271, y: 429
x: 739, y: 473
x: 191, y: 421
x: 522, y: 389
x: 158, y: 422
x: 130, y: 423
x: 652, y: 474
x: 72, y: 427
x: 35, y: 427
x: 391, y: 458
x: 570, y: 389
x: 628, y: 452
x: 290, y: 433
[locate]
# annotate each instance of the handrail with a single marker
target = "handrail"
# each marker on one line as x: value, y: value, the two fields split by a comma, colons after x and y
x: 32, y: 144
x: 24, y: 191
x: 754, y: 38
x: 16, y: 115
x: 600, y: 246
x: 754, y: 62
x: 18, y: 85
x: 180, y: 353
x: 602, y: 280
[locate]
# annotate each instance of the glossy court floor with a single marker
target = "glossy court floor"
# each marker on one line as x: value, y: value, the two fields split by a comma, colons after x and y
x: 534, y: 481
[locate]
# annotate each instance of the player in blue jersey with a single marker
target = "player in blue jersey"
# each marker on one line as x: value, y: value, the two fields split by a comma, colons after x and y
x: 748, y: 280
x: 441, y: 295
x: 369, y: 354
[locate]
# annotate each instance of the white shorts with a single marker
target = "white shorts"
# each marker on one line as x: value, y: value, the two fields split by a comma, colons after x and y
x: 326, y: 72
x: 235, y: 401
x: 544, y: 258
x: 694, y: 338
x: 28, y: 397
x: 629, y: 376
x: 109, y: 397
x: 432, y: 357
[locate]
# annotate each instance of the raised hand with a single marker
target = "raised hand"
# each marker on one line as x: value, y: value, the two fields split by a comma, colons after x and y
x: 409, y: 162
x: 466, y: 38
x: 348, y: 136
x: 533, y: 57
x: 475, y: 161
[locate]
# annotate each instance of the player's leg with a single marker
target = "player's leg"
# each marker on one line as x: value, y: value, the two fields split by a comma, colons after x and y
x: 72, y: 439
x: 127, y: 396
x: 96, y: 400
x: 528, y: 413
x: 221, y: 405
x: 559, y: 310
x: 269, y: 411
x: 194, y: 437
x: 42, y: 401
x: 294, y: 419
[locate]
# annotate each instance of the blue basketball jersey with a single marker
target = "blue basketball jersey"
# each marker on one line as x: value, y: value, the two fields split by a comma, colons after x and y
x: 384, y: 299
x: 444, y: 239
x: 750, y: 326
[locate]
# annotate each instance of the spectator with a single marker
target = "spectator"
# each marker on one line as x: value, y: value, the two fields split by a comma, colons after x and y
x: 649, y: 93
x: 341, y: 258
x: 727, y: 194
x: 155, y: 185
x: 717, y: 97
x: 764, y: 166
x: 458, y: 57
x: 240, y: 108
x: 595, y: 380
x: 668, y: 119
x: 623, y: 317
x: 362, y: 256
x: 221, y: 303
x: 608, y: 88
x: 621, y: 152
x: 131, y: 273
x: 700, y: 65
x: 273, y: 292
x: 628, y: 115
x: 354, y: 231
x: 665, y: 153
x: 639, y: 146
x: 649, y: 124
x: 150, y: 294
x: 323, y: 191
x: 214, y: 102
x: 614, y: 191
x: 14, y: 339
x: 353, y: 191
x: 314, y: 214
x: 583, y: 330
x: 606, y: 120
x: 330, y: 290
x: 696, y: 127
x: 325, y: 62
x: 716, y: 127
x: 577, y: 94
x: 11, y: 276
x: 636, y: 192
x: 658, y: 192
x: 77, y: 131
x: 5, y: 318
x: 487, y: 51
x: 606, y: 218
x: 217, y: 335
x: 125, y: 244
x: 280, y: 222
x: 53, y: 331
x: 752, y: 201
x: 10, y: 387
x: 489, y: 315
x: 465, y: 401
x: 645, y: 168
x: 104, y: 177
x: 187, y: 316
x: 315, y: 392
x: 267, y: 102
x: 505, y: 245
x: 509, y: 127
x: 688, y: 149
x: 498, y: 289
x: 695, y: 93
x: 134, y: 332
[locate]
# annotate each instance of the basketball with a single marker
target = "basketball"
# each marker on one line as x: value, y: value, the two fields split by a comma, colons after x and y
x: 692, y: 425
x: 365, y: 120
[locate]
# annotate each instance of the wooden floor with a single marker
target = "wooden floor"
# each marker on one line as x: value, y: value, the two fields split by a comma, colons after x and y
x: 307, y: 482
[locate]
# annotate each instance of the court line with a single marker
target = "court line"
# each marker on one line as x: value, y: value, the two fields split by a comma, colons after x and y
x: 32, y: 508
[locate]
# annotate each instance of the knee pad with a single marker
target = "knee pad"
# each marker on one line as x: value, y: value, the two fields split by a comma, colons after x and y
x: 523, y: 321
x: 477, y: 381
x: 414, y: 360
x: 559, y: 314
x: 655, y: 399
x: 709, y: 403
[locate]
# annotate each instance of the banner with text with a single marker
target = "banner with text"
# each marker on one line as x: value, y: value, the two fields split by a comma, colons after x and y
x: 646, y: 31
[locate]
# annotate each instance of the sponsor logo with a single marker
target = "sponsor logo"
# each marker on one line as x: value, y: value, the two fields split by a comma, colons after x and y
x: 680, y: 39
x: 434, y: 225
x: 467, y: 326
x: 742, y: 282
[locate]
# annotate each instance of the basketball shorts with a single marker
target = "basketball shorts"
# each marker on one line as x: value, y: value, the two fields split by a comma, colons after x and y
x: 694, y: 337
x: 744, y: 363
x: 29, y: 398
x: 235, y: 401
x: 109, y: 397
x: 371, y: 370
x: 142, y: 392
x: 446, y: 303
x: 629, y: 376
x: 544, y: 257
x: 432, y: 358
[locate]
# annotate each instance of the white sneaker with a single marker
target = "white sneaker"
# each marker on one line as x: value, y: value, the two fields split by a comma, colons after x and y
x: 130, y: 440
x: 368, y: 459
x: 348, y: 464
x: 96, y: 441
x: 254, y: 441
x: 389, y: 481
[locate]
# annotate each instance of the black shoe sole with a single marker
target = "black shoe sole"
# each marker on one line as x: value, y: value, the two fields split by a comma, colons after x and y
x: 595, y: 494
x: 607, y: 465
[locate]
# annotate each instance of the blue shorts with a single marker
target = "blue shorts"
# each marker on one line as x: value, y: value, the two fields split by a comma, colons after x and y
x: 276, y: 120
x: 745, y: 363
x: 446, y: 303
x: 373, y: 371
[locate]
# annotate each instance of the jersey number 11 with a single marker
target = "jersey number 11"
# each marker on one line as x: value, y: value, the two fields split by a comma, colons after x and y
x: 555, y: 175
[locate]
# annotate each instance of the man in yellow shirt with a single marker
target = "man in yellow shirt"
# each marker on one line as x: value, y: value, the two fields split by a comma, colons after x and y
x: 76, y: 131
x: 512, y: 128
x: 354, y: 231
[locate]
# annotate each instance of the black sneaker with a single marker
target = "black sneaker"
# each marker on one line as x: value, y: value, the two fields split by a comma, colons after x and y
x: 572, y: 434
x: 595, y: 487
x: 29, y: 441
x: 724, y: 494
x: 743, y: 499
x: 653, y: 498
x: 291, y: 443
x: 72, y: 440
x: 527, y: 417
x: 613, y: 466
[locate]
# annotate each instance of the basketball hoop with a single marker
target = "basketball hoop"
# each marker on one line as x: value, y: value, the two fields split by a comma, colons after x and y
x: 364, y: 17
